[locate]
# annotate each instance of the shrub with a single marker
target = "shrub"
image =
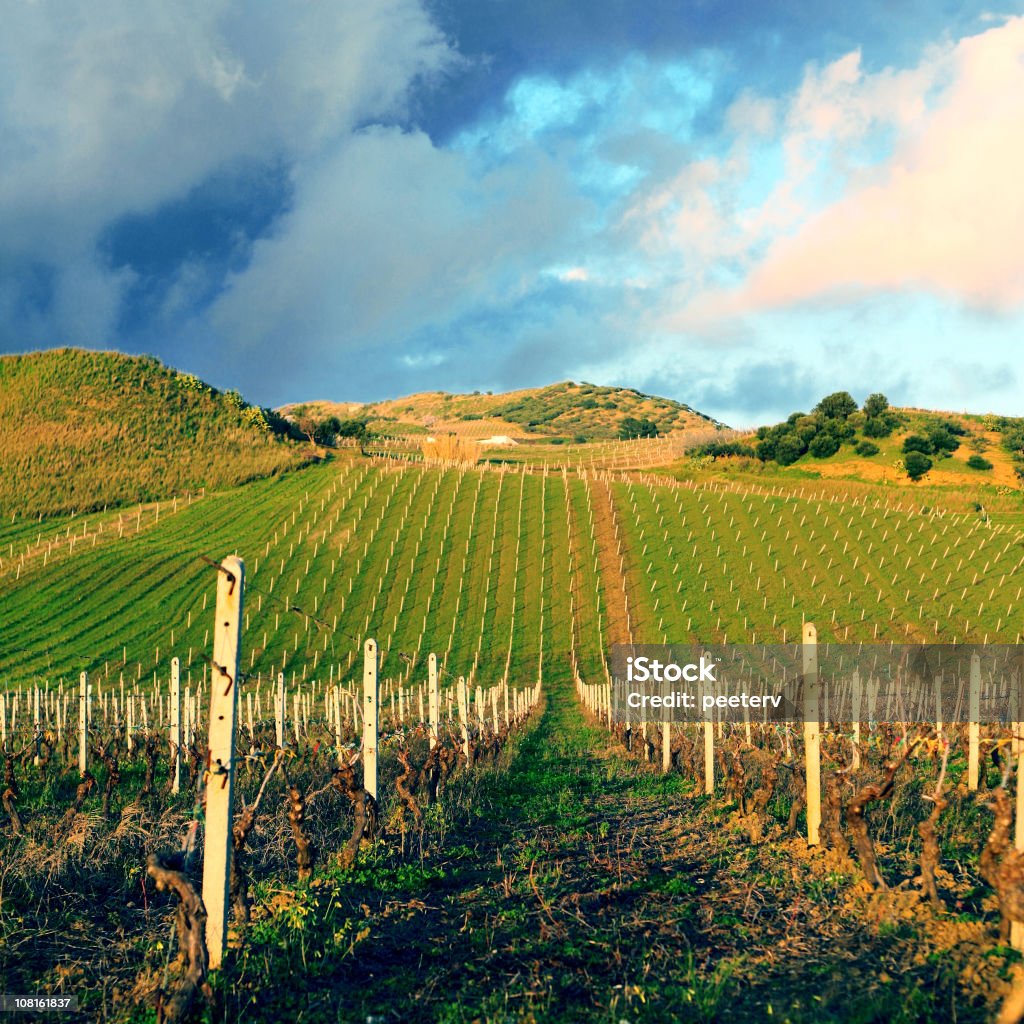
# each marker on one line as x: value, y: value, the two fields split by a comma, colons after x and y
x: 839, y: 405
x: 917, y: 443
x: 823, y: 445
x: 880, y: 426
x: 721, y: 449
x: 978, y: 462
x: 875, y: 405
x: 788, y: 449
x: 866, y: 449
x: 916, y: 464
x: 632, y: 427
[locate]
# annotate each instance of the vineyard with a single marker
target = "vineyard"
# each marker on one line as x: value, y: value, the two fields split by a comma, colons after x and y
x: 496, y: 848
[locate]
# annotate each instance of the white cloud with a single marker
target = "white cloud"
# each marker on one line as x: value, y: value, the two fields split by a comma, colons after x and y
x: 945, y: 213
x: 388, y: 235
x: 113, y: 108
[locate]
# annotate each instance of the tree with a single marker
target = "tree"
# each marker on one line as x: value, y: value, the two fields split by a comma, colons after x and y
x: 917, y: 443
x: 824, y: 445
x: 866, y: 449
x: 788, y: 449
x: 979, y: 462
x: 837, y: 406
x: 875, y: 405
x: 917, y: 464
x: 880, y: 426
x: 631, y: 427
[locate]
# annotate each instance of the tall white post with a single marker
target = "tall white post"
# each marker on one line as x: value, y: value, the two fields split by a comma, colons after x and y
x: 220, y: 778
x: 279, y: 710
x: 434, y: 711
x: 83, y: 723
x: 370, y: 710
x: 463, y: 696
x: 812, y: 732
x: 973, y: 724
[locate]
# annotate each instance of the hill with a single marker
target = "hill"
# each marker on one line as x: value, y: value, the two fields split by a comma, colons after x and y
x: 82, y: 430
x: 571, y: 411
x: 959, y: 452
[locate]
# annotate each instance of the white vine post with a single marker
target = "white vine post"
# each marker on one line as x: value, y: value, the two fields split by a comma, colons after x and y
x: 220, y: 778
x: 279, y: 710
x: 856, y: 696
x: 83, y: 723
x: 709, y: 750
x: 463, y: 695
x: 432, y: 684
x: 666, y: 747
x: 812, y: 732
x: 175, y: 726
x: 370, y: 710
x: 1017, y: 682
x: 973, y: 723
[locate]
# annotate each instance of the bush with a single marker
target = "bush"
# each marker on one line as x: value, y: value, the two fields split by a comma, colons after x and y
x: 824, y: 445
x: 943, y: 439
x: 866, y: 449
x: 837, y: 406
x: 977, y: 462
x: 720, y: 449
x: 916, y: 464
x: 788, y: 449
x: 917, y: 443
x: 631, y: 427
x: 880, y: 426
x: 876, y: 405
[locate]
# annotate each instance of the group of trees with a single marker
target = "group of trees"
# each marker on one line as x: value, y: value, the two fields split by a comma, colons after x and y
x: 325, y: 430
x: 632, y: 427
x: 940, y: 440
x: 832, y: 423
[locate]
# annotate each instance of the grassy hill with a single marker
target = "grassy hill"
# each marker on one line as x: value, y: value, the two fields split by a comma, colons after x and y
x: 83, y: 430
x: 986, y: 462
x: 566, y: 410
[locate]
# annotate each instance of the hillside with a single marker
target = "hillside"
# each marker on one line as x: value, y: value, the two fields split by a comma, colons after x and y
x: 964, y: 453
x: 82, y: 430
x: 566, y: 410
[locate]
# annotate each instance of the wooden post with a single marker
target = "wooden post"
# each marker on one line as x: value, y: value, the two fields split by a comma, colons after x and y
x: 83, y: 723
x: 973, y: 720
x: 432, y: 684
x: 1017, y: 682
x: 220, y: 779
x: 709, y: 749
x: 463, y: 696
x: 812, y: 733
x: 279, y: 710
x: 370, y: 710
x: 666, y: 747
x: 855, y: 701
x: 175, y: 726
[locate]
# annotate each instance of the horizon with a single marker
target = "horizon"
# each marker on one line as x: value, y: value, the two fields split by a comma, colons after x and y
x: 739, y: 427
x: 742, y: 210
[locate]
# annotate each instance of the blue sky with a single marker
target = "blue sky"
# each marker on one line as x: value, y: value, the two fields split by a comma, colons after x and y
x: 740, y: 205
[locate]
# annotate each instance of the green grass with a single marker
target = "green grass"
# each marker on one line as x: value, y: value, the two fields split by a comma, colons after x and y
x: 81, y: 431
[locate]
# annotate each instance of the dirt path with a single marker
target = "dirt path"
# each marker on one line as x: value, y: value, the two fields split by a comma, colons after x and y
x: 616, y: 602
x: 587, y: 887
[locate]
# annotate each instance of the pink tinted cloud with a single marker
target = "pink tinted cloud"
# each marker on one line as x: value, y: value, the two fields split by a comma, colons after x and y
x: 946, y: 213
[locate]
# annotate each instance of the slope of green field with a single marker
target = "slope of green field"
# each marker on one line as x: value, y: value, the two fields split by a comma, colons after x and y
x: 504, y: 574
x: 84, y: 430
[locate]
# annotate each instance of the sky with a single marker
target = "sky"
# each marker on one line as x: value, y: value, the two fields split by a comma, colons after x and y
x: 742, y: 206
